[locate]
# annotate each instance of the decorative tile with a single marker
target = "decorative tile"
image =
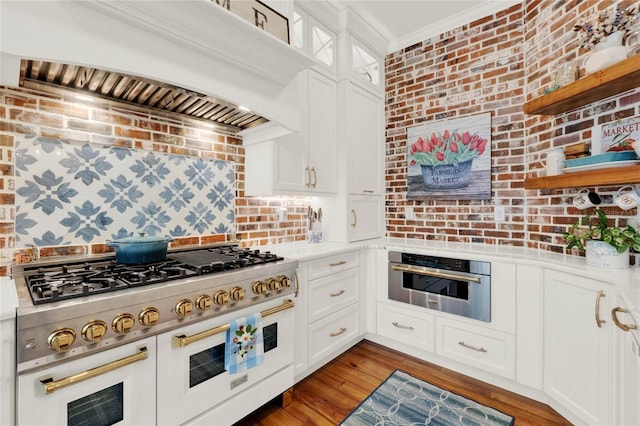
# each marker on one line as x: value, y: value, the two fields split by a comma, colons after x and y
x: 67, y: 193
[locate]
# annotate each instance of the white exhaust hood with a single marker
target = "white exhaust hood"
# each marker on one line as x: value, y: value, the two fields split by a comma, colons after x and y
x: 194, y: 44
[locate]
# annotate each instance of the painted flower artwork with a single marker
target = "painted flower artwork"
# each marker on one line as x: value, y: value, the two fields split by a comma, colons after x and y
x: 447, y: 148
x: 450, y: 159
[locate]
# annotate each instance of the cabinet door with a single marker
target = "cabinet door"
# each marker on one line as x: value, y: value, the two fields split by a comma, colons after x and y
x: 364, y: 131
x: 578, y: 353
x: 290, y: 162
x: 366, y: 220
x: 322, y: 133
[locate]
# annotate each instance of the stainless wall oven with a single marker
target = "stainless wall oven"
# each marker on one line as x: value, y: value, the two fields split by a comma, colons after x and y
x: 456, y: 286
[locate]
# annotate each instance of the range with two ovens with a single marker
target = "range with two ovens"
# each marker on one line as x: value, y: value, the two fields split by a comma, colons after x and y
x: 100, y: 343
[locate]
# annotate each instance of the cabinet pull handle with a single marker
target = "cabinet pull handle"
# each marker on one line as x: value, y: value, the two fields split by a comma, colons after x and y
x: 406, y: 327
x: 308, y: 182
x: 623, y: 327
x: 355, y: 218
x: 53, y: 386
x: 599, y: 321
x: 342, y: 330
x: 341, y: 292
x: 342, y: 262
x: 368, y: 191
x: 297, y: 287
x: 475, y: 348
x: 315, y: 177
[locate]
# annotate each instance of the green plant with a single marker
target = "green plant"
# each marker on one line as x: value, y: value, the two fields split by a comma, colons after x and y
x: 587, y: 229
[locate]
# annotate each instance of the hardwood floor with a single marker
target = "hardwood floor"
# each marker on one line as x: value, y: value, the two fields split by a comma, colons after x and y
x: 327, y: 396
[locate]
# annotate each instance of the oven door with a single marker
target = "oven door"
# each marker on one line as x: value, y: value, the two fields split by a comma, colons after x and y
x: 191, y: 376
x: 116, y: 386
x: 454, y: 292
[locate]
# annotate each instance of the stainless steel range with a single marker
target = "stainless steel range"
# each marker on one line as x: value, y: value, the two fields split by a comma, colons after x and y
x: 85, y: 309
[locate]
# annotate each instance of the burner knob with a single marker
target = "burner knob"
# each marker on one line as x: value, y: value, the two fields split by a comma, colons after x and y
x: 203, y: 302
x: 61, y: 339
x: 149, y: 316
x: 237, y: 293
x: 94, y: 331
x: 284, y: 281
x: 272, y: 284
x: 184, y: 307
x: 220, y: 297
x: 123, y: 323
x: 259, y: 287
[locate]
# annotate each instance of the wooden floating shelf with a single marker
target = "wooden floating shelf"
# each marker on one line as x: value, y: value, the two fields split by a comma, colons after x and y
x: 590, y: 178
x: 617, y: 78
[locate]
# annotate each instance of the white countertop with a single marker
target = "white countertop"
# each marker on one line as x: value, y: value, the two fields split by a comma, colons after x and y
x: 626, y: 281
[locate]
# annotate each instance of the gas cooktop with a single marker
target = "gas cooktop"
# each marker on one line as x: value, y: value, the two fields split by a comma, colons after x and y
x: 67, y: 280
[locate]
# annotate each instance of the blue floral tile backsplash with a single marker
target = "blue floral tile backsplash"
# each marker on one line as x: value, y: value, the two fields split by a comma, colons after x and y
x: 67, y: 193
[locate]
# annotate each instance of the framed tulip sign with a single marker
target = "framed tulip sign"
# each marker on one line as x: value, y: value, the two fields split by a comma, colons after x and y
x: 450, y: 159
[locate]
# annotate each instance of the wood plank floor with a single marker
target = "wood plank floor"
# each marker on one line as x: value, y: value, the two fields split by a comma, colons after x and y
x: 327, y: 396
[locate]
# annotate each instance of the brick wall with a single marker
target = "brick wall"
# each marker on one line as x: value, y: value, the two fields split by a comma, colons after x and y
x: 494, y: 65
x: 28, y: 112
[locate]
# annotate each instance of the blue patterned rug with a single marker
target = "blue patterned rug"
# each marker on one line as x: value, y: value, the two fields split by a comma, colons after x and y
x: 405, y: 400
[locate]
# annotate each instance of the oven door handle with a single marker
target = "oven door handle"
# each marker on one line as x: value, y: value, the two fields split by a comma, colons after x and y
x: 53, y: 386
x: 182, y: 340
x: 421, y: 270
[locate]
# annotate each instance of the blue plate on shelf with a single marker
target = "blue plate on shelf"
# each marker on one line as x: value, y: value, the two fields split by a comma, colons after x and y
x: 607, y: 157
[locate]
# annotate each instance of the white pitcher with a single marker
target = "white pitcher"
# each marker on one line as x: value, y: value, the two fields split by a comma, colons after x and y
x: 554, y: 162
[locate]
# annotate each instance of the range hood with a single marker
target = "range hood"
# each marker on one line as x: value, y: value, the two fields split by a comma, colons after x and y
x: 194, y: 49
x: 136, y: 92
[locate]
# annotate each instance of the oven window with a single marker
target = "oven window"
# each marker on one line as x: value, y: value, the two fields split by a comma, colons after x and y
x: 434, y: 285
x: 206, y: 364
x: 102, y: 408
x: 270, y: 337
x: 210, y: 362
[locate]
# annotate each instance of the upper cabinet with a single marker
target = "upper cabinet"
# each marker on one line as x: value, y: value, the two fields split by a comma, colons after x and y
x: 297, y: 163
x: 314, y: 39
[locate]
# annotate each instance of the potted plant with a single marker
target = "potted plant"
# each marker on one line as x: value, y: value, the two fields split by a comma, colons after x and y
x: 605, y: 246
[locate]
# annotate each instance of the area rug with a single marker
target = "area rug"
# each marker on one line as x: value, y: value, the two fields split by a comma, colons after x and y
x: 404, y: 400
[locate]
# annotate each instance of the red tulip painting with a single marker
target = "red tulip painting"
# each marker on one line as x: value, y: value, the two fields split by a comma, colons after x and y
x: 450, y: 159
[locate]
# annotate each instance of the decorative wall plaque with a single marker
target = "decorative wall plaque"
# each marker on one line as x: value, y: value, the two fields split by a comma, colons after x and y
x: 260, y: 15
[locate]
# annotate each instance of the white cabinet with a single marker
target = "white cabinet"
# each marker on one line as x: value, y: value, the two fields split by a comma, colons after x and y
x: 358, y: 214
x: 406, y: 326
x: 628, y: 365
x: 363, y: 129
x: 331, y: 293
x: 483, y: 348
x: 304, y: 162
x: 578, y: 345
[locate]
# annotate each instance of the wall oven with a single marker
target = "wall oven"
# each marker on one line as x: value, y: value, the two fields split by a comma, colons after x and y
x: 456, y: 286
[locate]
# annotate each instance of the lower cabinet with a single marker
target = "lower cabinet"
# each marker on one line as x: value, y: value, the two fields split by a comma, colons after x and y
x: 578, y: 346
x: 628, y: 366
x: 401, y: 325
x: 489, y: 350
x: 330, y: 322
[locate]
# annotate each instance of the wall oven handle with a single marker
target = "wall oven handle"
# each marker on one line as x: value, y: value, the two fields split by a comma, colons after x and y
x: 53, y: 386
x: 182, y: 340
x: 420, y: 270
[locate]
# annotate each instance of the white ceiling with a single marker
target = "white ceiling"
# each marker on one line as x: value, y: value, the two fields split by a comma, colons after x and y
x: 406, y: 22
